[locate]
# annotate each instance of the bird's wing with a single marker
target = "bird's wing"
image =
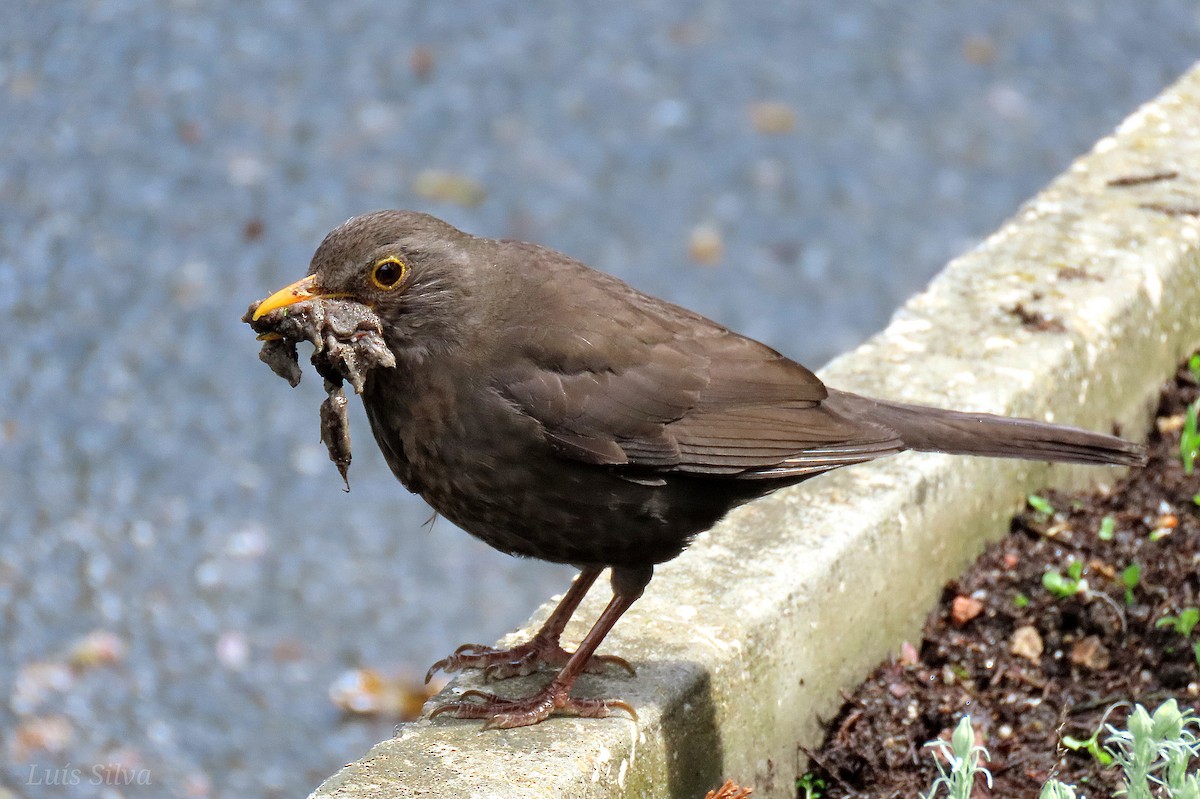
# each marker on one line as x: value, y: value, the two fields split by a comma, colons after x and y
x: 654, y: 387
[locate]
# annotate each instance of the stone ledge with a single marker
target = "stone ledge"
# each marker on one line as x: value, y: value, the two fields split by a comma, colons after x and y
x: 744, y: 642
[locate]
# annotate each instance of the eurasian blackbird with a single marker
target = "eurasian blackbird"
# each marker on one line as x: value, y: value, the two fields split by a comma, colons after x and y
x: 557, y: 413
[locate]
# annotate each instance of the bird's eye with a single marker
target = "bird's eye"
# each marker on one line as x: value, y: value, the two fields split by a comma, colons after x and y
x: 388, y: 272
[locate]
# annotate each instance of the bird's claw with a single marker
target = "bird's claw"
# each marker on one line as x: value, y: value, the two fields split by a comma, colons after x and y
x: 519, y: 661
x: 501, y: 713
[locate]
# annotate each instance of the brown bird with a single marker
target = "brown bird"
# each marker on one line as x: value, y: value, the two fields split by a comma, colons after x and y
x: 555, y: 412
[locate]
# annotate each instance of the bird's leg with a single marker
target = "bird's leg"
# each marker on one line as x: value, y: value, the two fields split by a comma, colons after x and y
x: 628, y: 584
x: 541, y: 650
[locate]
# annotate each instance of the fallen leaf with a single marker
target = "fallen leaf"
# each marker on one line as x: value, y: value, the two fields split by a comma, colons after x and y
x: 367, y: 692
x: 41, y: 734
x: 705, y: 245
x: 449, y: 187
x: 772, y: 118
x: 421, y: 62
x: 978, y: 50
x: 730, y: 790
x: 97, y: 648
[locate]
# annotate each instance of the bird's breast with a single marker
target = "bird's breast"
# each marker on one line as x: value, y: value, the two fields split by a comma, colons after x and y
x: 487, y: 467
x: 453, y: 441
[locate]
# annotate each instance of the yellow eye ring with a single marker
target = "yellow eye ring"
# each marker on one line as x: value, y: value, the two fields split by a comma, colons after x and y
x: 388, y: 272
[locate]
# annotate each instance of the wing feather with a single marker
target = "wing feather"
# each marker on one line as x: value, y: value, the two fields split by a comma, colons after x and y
x: 651, y: 386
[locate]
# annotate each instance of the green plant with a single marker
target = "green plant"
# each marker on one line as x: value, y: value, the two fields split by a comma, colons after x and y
x: 1189, y: 439
x: 1194, y: 366
x: 810, y: 786
x: 1091, y: 745
x: 1183, y: 624
x: 1131, y: 577
x: 1041, y: 504
x: 962, y: 758
x: 1063, y: 586
x: 1053, y: 789
x: 1021, y: 601
x: 1108, y: 526
x: 1072, y: 584
x: 1155, y: 750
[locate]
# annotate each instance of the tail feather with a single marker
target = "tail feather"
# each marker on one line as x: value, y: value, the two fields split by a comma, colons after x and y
x: 935, y: 430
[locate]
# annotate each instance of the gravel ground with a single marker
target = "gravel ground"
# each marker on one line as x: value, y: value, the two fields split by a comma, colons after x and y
x: 180, y: 576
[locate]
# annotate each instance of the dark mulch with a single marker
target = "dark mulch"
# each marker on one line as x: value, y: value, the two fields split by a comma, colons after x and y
x: 1093, y: 652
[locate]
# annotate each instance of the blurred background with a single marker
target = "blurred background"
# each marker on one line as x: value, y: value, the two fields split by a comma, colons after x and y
x: 181, y: 577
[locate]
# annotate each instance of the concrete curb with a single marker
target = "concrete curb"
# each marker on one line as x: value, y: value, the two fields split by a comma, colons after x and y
x: 743, y: 643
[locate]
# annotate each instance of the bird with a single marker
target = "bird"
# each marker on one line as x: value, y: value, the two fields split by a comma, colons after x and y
x: 556, y: 412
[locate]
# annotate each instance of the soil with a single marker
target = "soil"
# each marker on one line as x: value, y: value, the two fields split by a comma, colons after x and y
x: 1028, y: 666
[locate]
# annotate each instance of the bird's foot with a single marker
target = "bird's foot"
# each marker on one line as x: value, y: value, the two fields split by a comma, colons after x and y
x: 553, y: 700
x: 520, y: 660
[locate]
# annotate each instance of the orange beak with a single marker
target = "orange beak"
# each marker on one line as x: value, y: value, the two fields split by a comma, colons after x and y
x: 303, y: 289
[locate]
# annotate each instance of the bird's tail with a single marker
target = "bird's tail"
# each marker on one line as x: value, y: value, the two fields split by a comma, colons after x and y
x: 935, y: 430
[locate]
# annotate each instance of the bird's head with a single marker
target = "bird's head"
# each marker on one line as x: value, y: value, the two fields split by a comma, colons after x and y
x: 412, y: 269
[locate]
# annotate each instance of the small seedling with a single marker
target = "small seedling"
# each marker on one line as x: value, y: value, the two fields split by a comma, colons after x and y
x: 1053, y: 789
x: 962, y: 758
x: 1189, y: 439
x: 1131, y: 577
x: 1196, y: 500
x: 1183, y: 624
x: 1066, y: 586
x: 810, y: 786
x: 1042, y: 505
x: 1090, y: 745
x: 1072, y: 584
x: 1155, y: 750
x: 1108, y: 526
x: 1194, y: 366
x: 1154, y: 753
x: 1021, y: 601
